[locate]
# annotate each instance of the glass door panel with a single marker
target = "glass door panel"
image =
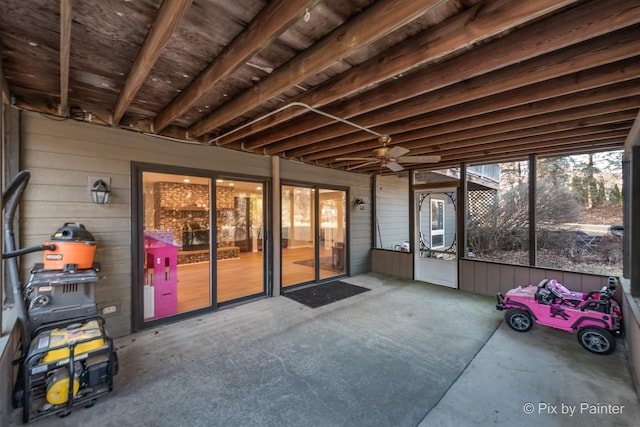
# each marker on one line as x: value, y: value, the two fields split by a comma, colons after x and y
x: 176, y: 244
x: 298, y: 235
x: 312, y: 250
x: 332, y: 233
x: 239, y: 227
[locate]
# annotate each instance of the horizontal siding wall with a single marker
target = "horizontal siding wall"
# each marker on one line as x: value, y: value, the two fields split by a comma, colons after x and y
x: 393, y: 263
x: 488, y: 278
x: 392, y: 211
x: 360, y: 239
x: 61, y: 155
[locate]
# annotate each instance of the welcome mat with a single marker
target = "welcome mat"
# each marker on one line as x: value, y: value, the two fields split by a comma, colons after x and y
x: 325, y: 293
x: 326, y: 263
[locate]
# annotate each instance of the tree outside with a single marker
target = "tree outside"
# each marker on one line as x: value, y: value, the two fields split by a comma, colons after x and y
x: 578, y: 206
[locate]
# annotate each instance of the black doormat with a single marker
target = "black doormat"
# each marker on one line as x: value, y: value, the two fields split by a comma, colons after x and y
x: 325, y: 293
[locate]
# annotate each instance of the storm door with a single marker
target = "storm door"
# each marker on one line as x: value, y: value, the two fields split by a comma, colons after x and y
x: 436, y: 252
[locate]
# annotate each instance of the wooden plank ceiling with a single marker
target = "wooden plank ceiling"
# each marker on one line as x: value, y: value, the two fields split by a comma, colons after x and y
x: 319, y: 80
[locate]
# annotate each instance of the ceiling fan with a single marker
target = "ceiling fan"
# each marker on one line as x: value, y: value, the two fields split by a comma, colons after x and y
x: 389, y: 157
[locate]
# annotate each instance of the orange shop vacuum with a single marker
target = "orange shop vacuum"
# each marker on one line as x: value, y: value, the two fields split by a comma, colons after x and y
x: 67, y: 357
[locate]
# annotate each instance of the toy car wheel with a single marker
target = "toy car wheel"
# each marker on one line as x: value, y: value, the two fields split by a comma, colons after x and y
x: 597, y: 340
x: 518, y: 319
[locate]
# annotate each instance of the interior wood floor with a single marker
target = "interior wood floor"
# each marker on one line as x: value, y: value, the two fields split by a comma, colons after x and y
x: 243, y: 276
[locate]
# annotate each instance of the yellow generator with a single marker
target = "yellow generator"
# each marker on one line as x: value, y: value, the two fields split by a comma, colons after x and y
x: 67, y: 366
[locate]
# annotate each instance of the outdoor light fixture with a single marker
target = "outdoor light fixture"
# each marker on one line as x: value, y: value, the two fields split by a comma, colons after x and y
x: 100, y: 192
x: 359, y: 202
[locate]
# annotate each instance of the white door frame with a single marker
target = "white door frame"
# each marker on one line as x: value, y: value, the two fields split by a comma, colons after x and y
x: 437, y: 265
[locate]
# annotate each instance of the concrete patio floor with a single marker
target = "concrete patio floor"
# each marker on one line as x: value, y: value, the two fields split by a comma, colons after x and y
x: 404, y: 354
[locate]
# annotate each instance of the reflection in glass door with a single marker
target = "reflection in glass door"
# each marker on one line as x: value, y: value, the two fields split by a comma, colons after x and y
x: 332, y: 233
x: 239, y: 227
x: 298, y: 235
x: 176, y: 244
x: 306, y: 258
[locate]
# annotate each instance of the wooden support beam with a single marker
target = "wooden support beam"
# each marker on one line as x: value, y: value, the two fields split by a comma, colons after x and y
x: 165, y: 23
x: 518, y: 153
x: 469, y: 28
x: 633, y: 139
x: 272, y: 21
x: 532, y: 141
x: 378, y: 20
x: 424, y: 141
x: 504, y: 56
x: 4, y: 86
x: 587, y: 55
x: 569, y: 146
x: 536, y: 142
x: 578, y: 118
x: 514, y: 105
x: 65, y: 54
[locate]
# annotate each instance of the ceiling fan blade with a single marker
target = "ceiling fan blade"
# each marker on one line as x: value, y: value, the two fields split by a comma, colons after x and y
x: 418, y: 159
x: 396, y: 152
x: 357, y: 159
x: 362, y: 165
x: 394, y: 166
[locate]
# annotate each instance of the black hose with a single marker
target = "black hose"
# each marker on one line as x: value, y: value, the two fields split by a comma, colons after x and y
x: 10, y: 200
x: 30, y: 249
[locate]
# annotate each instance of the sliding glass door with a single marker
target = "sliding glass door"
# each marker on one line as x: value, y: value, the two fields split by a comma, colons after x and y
x: 177, y: 244
x: 239, y: 228
x: 197, y: 254
x: 313, y: 234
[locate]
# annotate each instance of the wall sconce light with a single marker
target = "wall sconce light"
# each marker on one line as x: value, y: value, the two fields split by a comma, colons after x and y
x: 359, y: 203
x: 100, y: 192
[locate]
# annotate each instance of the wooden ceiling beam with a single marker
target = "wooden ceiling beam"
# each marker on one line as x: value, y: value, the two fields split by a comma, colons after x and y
x: 378, y: 20
x: 591, y: 133
x: 165, y: 23
x: 567, y: 142
x: 549, y: 37
x: 459, y: 141
x: 604, y: 51
x: 65, y: 55
x: 272, y: 21
x: 469, y: 28
x: 523, y: 154
x: 571, y: 147
x: 527, y: 145
x: 4, y: 88
x: 633, y: 139
x: 502, y: 108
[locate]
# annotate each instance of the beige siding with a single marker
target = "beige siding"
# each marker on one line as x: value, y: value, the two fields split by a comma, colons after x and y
x: 393, y: 263
x: 489, y: 278
x: 392, y: 211
x: 62, y: 155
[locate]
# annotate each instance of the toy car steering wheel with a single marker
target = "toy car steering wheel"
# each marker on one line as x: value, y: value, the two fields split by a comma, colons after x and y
x: 556, y: 293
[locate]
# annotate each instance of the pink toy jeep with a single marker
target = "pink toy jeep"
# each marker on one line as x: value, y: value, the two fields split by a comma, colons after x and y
x: 595, y: 315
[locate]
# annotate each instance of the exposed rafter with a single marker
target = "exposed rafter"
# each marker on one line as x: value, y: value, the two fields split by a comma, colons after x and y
x: 272, y: 21
x: 529, y: 42
x: 480, y: 23
x: 571, y: 93
x: 166, y: 21
x: 378, y: 20
x: 459, y: 79
x: 65, y: 54
x: 4, y: 86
